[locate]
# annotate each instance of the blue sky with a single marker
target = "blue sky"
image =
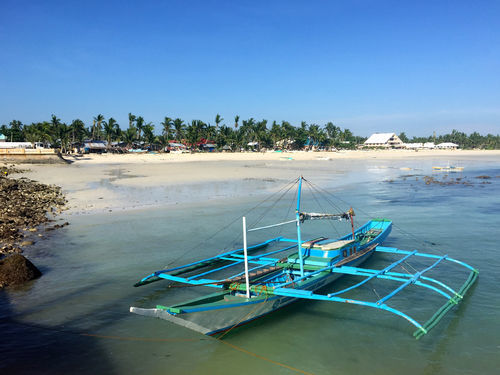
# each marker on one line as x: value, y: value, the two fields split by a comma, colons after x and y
x: 413, y: 66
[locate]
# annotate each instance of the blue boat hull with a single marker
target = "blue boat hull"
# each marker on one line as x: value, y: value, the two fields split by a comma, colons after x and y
x: 232, y: 310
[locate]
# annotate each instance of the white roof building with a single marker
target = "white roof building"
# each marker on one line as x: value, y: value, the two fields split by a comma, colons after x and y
x: 16, y: 145
x: 384, y: 140
x: 448, y: 145
x: 414, y: 145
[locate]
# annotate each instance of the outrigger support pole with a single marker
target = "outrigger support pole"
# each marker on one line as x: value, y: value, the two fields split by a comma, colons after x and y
x: 245, y: 254
x: 299, y: 239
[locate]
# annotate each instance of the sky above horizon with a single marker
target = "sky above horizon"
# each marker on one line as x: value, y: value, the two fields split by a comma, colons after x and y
x: 369, y: 66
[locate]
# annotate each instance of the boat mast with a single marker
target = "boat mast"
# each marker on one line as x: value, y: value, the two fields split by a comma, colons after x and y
x: 245, y: 254
x: 299, y: 240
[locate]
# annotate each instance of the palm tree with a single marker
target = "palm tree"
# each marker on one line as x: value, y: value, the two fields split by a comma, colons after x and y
x: 162, y: 140
x: 314, y: 135
x: 332, y: 131
x: 276, y: 133
x: 139, y: 123
x: 96, y: 128
x: 236, y: 120
x: 179, y: 129
x: 129, y: 135
x: 167, y: 127
x: 78, y: 131
x: 16, y: 131
x: 288, y: 132
x: 148, y: 133
x: 218, y: 120
x: 110, y: 130
x: 260, y: 132
x: 131, y: 120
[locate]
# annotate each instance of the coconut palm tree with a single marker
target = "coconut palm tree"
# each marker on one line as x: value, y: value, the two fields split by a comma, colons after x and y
x: 131, y: 120
x: 139, y: 123
x: 218, y: 120
x: 162, y: 140
x: 288, y: 133
x: 149, y: 133
x: 260, y: 132
x: 276, y: 133
x: 236, y: 120
x: 96, y: 127
x: 332, y: 131
x: 313, y: 134
x: 110, y: 130
x: 78, y: 131
x: 129, y: 135
x: 179, y: 128
x: 167, y: 127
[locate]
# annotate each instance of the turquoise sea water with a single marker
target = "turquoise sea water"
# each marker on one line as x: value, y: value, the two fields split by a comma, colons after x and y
x: 75, y: 318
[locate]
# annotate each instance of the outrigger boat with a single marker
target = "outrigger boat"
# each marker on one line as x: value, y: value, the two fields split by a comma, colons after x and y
x: 264, y: 283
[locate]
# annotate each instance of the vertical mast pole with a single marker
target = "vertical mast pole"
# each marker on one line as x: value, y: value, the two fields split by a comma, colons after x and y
x: 245, y: 253
x: 299, y: 239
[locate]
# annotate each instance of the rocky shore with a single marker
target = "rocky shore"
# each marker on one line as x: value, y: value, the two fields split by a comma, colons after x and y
x: 24, y: 206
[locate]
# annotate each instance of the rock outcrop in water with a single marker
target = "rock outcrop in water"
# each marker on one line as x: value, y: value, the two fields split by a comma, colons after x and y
x: 24, y: 205
x: 16, y: 269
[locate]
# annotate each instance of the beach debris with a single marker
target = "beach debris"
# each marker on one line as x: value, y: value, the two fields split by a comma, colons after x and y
x: 16, y: 270
x: 483, y: 177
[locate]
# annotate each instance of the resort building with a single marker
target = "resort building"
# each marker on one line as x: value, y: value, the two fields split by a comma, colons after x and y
x: 13, y: 145
x: 417, y: 146
x: 388, y: 140
x: 447, y: 145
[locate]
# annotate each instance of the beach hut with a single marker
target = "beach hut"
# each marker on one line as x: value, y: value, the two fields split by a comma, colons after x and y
x: 97, y: 147
x: 3, y: 138
x: 387, y: 140
x: 209, y: 147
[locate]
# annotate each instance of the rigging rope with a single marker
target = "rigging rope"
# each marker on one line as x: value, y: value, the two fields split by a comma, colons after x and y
x: 409, y: 234
x: 239, y: 235
x: 321, y: 207
x: 184, y: 253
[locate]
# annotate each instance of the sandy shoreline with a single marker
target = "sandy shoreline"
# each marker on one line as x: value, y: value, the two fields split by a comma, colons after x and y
x: 269, y: 156
x: 107, y: 183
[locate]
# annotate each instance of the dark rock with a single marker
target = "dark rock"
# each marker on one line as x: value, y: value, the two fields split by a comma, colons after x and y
x: 24, y: 205
x: 16, y: 270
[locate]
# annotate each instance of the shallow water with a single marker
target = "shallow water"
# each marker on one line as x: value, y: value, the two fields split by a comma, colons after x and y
x: 75, y: 318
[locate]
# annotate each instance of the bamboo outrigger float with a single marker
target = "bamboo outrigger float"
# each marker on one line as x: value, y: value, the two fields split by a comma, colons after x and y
x: 266, y: 283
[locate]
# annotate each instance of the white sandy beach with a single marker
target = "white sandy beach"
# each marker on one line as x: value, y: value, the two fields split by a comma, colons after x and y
x: 97, y: 183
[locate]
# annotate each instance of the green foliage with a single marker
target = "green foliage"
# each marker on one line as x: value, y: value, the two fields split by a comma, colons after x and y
x: 276, y: 136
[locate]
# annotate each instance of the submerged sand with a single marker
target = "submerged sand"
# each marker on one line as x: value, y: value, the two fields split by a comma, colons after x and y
x: 101, y: 183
